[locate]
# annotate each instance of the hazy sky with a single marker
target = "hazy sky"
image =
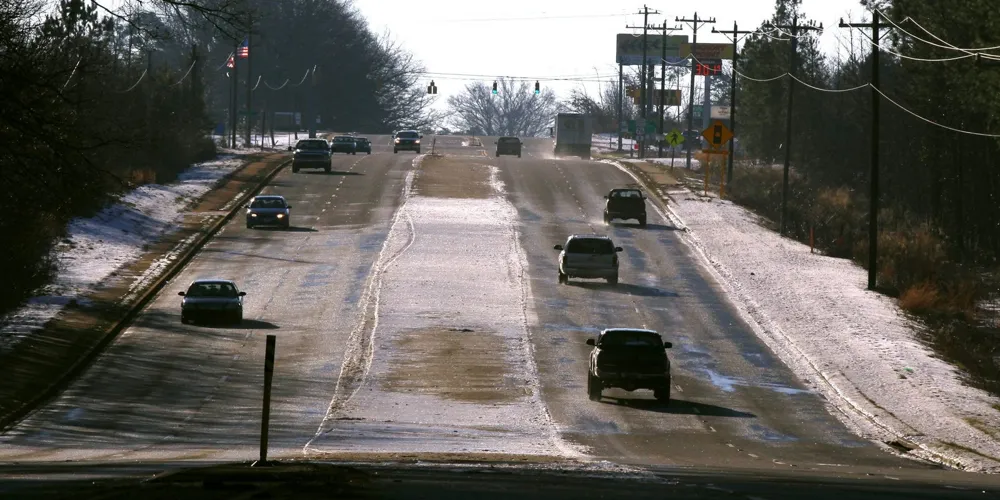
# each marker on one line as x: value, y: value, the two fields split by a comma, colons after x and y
x: 539, y: 38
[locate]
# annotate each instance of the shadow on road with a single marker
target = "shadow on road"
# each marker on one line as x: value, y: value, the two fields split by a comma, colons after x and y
x: 677, y: 407
x: 246, y: 324
x: 290, y: 229
x: 332, y: 172
x: 625, y: 288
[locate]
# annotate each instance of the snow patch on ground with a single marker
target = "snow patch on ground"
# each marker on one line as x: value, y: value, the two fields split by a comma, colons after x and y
x: 856, y: 346
x: 94, y: 247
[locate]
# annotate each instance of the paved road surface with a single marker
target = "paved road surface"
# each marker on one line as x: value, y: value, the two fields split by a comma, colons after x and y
x: 359, y: 282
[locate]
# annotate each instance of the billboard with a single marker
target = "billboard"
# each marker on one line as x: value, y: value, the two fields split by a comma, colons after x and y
x: 707, y: 51
x: 628, y: 48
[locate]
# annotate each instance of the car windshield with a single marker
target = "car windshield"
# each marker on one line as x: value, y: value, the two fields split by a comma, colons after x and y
x: 268, y: 203
x: 361, y: 140
x: 343, y: 139
x: 625, y: 338
x: 509, y: 140
x: 407, y: 135
x: 312, y: 144
x: 594, y: 246
x: 212, y: 289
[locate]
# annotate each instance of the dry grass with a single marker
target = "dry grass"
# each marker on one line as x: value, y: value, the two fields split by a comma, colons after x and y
x: 451, y: 177
x: 920, y: 298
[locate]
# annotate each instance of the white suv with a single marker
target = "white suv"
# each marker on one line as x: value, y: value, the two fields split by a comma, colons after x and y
x: 588, y: 256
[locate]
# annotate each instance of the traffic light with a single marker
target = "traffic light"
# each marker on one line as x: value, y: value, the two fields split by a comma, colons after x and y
x: 495, y: 88
x: 538, y: 89
x: 432, y: 89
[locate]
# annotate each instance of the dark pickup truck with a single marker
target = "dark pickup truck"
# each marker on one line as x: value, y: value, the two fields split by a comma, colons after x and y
x: 629, y: 359
x: 625, y: 203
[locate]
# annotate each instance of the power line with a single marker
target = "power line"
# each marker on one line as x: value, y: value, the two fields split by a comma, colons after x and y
x: 932, y: 122
x: 528, y: 18
x: 304, y: 77
x: 143, y: 75
x: 912, y: 58
x: 946, y: 46
x: 279, y: 87
x: 188, y: 72
x: 259, y: 78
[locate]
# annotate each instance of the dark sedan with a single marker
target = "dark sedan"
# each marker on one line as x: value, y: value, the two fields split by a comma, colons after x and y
x: 268, y: 210
x: 311, y: 153
x: 406, y: 140
x: 343, y: 144
x: 212, y: 299
x: 363, y: 145
x: 508, y: 146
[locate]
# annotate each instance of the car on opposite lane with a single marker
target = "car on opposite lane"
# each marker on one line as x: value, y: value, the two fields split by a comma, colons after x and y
x: 508, y: 146
x: 406, y: 140
x: 268, y: 210
x: 207, y: 299
x: 344, y: 144
x: 311, y: 153
x: 625, y: 203
x: 363, y: 144
x: 588, y: 256
x: 629, y: 359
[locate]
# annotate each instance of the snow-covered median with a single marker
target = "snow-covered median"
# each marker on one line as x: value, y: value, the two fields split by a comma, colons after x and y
x: 94, y: 247
x: 856, y: 346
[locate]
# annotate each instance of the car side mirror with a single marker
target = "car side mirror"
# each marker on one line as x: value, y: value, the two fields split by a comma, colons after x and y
x: 667, y: 345
x: 421, y: 137
x: 591, y: 342
x: 558, y: 247
x: 243, y: 294
x: 619, y: 249
x: 181, y: 294
x: 605, y: 197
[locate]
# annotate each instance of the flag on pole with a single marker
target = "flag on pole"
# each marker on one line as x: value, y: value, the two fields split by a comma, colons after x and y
x: 230, y: 63
x: 244, y: 50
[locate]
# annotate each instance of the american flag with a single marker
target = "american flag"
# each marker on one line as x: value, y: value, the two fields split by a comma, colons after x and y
x: 231, y: 63
x: 244, y: 49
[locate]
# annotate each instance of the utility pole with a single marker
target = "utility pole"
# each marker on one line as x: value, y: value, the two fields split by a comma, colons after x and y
x: 621, y: 90
x: 873, y: 174
x: 793, y: 29
x: 694, y: 42
x: 642, y: 81
x: 663, y: 81
x: 249, y: 137
x: 732, y: 97
x: 233, y: 120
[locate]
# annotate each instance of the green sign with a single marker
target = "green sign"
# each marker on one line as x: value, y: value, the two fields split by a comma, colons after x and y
x: 631, y: 126
x: 674, y: 138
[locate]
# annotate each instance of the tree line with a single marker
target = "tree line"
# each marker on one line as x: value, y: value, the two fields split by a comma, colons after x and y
x: 98, y: 100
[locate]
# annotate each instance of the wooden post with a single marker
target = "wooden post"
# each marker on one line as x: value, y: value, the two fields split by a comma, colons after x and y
x: 722, y: 183
x: 266, y: 411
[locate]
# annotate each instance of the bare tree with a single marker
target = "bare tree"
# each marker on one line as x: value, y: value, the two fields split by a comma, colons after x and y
x: 514, y: 110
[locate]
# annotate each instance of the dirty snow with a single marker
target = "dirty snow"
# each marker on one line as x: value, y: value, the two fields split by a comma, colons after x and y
x: 453, y: 271
x: 94, y: 247
x: 855, y: 345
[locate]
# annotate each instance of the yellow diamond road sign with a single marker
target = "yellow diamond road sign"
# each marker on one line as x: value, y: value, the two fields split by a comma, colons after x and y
x: 674, y: 138
x: 717, y: 134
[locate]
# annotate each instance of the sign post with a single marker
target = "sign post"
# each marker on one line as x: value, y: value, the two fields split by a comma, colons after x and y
x: 674, y: 138
x: 265, y: 416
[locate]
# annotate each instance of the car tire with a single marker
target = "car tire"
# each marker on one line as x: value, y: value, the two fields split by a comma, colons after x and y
x: 395, y: 151
x: 354, y: 152
x: 642, y: 221
x: 249, y: 225
x: 418, y: 150
x: 369, y: 152
x: 662, y: 394
x: 286, y: 225
x: 607, y: 220
x: 613, y: 280
x: 236, y: 318
x: 184, y: 319
x: 295, y: 169
x: 519, y: 155
x: 563, y: 279
x: 594, y: 388
x: 498, y: 155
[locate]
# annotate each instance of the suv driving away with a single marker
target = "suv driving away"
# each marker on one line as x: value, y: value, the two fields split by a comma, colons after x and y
x: 629, y: 359
x: 311, y: 153
x: 406, y: 140
x: 508, y: 146
x: 588, y: 257
x: 625, y: 204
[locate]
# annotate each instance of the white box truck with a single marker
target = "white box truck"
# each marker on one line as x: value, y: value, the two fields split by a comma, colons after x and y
x: 573, y: 135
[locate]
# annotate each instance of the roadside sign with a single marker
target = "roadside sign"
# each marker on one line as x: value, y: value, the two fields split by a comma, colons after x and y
x: 721, y: 112
x: 640, y: 124
x: 631, y: 126
x: 628, y: 48
x: 717, y: 135
x: 674, y: 137
x: 650, y: 128
x: 707, y: 51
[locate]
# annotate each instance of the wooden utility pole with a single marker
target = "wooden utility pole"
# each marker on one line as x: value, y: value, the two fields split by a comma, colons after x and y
x: 793, y: 29
x: 621, y: 102
x: 663, y: 82
x: 694, y: 43
x: 643, y: 76
x: 735, y: 33
x: 873, y: 194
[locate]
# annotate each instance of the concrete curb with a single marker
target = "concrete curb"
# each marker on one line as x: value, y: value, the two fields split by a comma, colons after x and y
x: 62, y: 381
